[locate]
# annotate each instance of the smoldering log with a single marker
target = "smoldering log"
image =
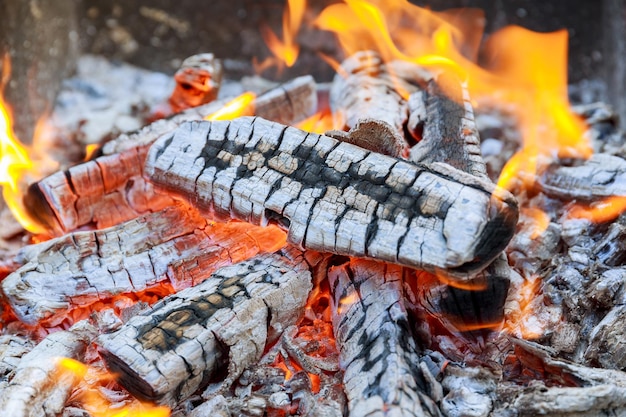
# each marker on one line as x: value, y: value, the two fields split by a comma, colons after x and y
x: 174, y: 244
x: 600, y: 176
x: 198, y: 82
x: 100, y: 193
x: 369, y: 92
x: 170, y: 351
x: 111, y: 189
x: 382, y: 375
x: 449, y: 132
x: 334, y: 196
x: 38, y: 388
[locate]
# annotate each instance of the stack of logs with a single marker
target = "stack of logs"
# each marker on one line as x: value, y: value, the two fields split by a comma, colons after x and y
x: 250, y: 223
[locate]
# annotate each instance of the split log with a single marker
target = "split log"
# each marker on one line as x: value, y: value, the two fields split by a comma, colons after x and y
x: 449, y: 131
x: 197, y: 82
x: 600, y: 176
x: 336, y: 197
x: 368, y: 93
x: 174, y: 244
x: 111, y: 189
x: 170, y: 351
x: 38, y: 388
x: 382, y: 374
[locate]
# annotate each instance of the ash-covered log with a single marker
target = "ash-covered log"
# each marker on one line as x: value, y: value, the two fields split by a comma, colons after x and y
x: 37, y: 387
x: 111, y: 188
x: 382, y: 372
x: 449, y: 131
x: 334, y: 196
x: 368, y: 93
x: 174, y: 244
x: 168, y: 352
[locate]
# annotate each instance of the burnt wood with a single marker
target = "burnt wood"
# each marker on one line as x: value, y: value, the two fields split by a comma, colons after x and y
x: 382, y: 374
x: 198, y: 81
x: 336, y: 197
x: 175, y: 245
x: 37, y: 387
x: 449, y: 131
x: 173, y: 349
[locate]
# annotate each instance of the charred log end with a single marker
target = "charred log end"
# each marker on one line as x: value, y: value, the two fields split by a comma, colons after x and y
x: 128, y: 378
x: 39, y: 210
x: 500, y: 228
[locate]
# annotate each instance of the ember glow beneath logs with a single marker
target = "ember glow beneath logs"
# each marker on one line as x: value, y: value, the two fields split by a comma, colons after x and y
x: 394, y: 231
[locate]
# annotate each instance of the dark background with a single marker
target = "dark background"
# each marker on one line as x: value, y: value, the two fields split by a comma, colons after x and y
x: 45, y: 37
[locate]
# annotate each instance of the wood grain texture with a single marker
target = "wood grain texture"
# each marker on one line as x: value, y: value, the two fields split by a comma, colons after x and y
x: 382, y: 375
x: 449, y: 133
x: 600, y: 176
x: 170, y: 351
x: 37, y: 388
x: 174, y: 244
x: 336, y: 197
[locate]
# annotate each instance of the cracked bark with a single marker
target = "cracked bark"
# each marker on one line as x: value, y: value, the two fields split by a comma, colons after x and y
x: 37, y: 387
x: 449, y: 131
x: 174, y: 244
x: 111, y: 188
x: 336, y: 197
x: 382, y: 373
x: 169, y: 352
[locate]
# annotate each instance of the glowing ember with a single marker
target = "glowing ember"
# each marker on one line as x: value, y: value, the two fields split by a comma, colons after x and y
x: 242, y: 105
x: 530, y: 80
x: 287, y: 50
x: 90, y: 394
x: 602, y: 211
x: 524, y: 323
x: 540, y: 221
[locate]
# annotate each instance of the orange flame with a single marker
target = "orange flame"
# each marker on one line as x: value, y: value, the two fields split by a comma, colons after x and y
x: 287, y: 50
x: 15, y: 162
x: 599, y: 211
x: 530, y: 79
x: 242, y: 105
x: 318, y: 123
x: 92, y: 399
x: 539, y: 221
x: 524, y: 323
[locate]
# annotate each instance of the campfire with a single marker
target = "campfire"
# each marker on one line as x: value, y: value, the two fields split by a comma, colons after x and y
x: 429, y: 234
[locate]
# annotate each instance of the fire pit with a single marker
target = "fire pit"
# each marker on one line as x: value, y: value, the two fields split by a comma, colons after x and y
x: 423, y: 235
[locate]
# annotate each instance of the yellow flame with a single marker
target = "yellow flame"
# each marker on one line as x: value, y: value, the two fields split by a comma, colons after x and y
x: 287, y: 50
x: 601, y: 211
x: 242, y: 105
x: 320, y: 122
x: 530, y: 79
x: 524, y: 323
x: 96, y: 403
x: 15, y: 163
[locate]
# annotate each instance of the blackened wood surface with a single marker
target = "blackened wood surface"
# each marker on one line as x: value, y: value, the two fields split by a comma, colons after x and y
x: 174, y: 244
x: 336, y: 197
x: 377, y: 351
x: 170, y: 351
x: 450, y: 133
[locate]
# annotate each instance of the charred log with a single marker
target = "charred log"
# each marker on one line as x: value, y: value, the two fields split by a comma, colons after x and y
x: 197, y: 82
x: 175, y: 244
x: 382, y: 375
x: 37, y: 387
x: 336, y: 197
x: 172, y: 350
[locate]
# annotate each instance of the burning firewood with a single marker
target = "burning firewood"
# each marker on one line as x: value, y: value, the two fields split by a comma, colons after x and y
x: 174, y: 244
x: 600, y: 176
x: 449, y: 131
x: 197, y: 82
x: 382, y: 373
x: 170, y: 351
x: 111, y: 189
x: 367, y: 93
x: 336, y: 197
x: 37, y: 387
